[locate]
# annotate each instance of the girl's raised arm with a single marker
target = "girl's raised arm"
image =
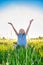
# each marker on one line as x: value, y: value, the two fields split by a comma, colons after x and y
x: 13, y: 28
x: 29, y: 26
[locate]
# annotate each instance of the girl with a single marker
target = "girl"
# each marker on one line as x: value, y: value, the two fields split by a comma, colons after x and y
x: 22, y: 34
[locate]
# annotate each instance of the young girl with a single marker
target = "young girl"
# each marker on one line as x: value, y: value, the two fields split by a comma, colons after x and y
x: 22, y: 34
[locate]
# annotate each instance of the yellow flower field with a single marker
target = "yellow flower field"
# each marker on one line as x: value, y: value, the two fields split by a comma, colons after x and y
x: 35, y: 47
x: 6, y: 44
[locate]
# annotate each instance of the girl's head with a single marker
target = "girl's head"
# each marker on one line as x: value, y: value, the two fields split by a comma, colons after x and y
x: 21, y: 31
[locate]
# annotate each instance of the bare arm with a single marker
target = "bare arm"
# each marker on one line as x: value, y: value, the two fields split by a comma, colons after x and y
x: 29, y: 26
x: 13, y: 28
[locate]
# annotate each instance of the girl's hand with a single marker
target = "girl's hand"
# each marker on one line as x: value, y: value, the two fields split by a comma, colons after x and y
x: 31, y: 20
x: 13, y: 28
x: 9, y: 23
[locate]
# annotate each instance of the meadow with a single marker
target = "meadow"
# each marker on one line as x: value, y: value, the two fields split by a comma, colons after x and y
x: 30, y: 55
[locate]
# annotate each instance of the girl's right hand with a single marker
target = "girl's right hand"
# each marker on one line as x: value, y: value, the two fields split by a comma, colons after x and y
x: 9, y: 23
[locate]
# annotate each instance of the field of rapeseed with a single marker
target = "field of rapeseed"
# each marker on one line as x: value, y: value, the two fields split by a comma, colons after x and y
x: 30, y: 55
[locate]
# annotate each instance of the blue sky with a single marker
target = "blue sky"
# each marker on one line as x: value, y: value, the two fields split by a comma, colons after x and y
x: 37, y: 3
x: 20, y: 12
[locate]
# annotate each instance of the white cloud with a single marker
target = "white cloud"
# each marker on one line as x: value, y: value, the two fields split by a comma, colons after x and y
x: 20, y: 17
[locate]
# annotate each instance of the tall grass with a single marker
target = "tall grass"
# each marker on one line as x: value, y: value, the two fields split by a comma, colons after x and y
x: 21, y: 56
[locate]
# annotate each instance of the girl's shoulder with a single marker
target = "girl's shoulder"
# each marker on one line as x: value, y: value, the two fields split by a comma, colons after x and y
x: 24, y: 34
